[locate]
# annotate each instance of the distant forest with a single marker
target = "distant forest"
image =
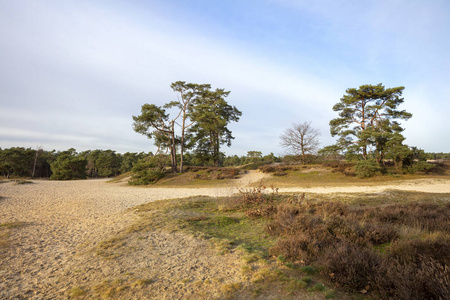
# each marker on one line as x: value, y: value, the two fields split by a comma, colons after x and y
x: 70, y: 164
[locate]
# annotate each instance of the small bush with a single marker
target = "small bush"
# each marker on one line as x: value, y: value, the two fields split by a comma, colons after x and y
x: 437, y: 249
x: 280, y: 173
x: 145, y: 177
x: 420, y: 166
x: 351, y: 266
x: 292, y: 248
x: 422, y: 215
x: 309, y: 270
x: 367, y: 168
x: 226, y: 173
x: 277, y: 169
x: 254, y: 196
x: 425, y: 279
x: 263, y: 211
x: 148, y: 170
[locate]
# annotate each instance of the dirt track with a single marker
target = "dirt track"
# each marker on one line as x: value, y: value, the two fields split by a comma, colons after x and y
x: 52, y: 253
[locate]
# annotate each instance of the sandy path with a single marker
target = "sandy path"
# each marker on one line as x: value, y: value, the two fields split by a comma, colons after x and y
x: 66, y: 218
x: 48, y: 256
x: 420, y: 185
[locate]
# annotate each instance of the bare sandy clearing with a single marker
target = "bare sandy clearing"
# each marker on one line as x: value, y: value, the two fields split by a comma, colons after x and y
x: 420, y: 185
x: 50, y: 255
x: 67, y: 218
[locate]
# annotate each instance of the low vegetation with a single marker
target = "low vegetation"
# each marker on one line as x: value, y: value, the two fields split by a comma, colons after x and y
x: 387, y: 245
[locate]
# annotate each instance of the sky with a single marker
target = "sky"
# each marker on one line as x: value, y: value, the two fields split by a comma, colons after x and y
x: 73, y: 73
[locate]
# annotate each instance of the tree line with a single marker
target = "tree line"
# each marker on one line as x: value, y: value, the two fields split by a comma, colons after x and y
x: 68, y: 164
x: 191, y: 130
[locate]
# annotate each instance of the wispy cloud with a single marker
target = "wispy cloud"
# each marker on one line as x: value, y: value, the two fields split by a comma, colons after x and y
x: 85, y: 69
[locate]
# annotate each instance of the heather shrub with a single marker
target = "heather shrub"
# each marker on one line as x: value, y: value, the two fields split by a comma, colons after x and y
x: 437, y: 248
x: 226, y: 173
x: 262, y: 211
x: 341, y: 239
x: 292, y: 248
x: 350, y: 266
x: 276, y: 168
x: 424, y: 279
x: 422, y: 215
x: 254, y: 196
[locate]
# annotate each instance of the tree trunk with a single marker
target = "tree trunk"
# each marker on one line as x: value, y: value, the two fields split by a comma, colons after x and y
x: 183, y: 128
x: 216, y: 150
x: 35, y: 162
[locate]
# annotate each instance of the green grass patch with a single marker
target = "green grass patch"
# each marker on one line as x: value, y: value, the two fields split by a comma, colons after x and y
x: 22, y: 181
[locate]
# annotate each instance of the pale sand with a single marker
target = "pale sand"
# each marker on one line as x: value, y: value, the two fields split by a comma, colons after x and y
x: 66, y: 219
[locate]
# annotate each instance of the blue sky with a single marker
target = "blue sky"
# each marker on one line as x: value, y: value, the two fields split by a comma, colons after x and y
x: 74, y: 72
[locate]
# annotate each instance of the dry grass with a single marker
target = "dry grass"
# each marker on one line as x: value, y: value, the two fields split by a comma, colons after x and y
x: 200, y: 177
x: 6, y: 230
x: 309, y: 176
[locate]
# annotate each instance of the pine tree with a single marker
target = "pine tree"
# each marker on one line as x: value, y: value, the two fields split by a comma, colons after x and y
x: 368, y: 119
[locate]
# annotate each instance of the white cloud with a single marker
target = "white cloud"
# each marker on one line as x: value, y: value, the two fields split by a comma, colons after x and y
x: 83, y: 70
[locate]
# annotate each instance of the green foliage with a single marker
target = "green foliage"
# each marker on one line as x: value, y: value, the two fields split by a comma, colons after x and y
x: 420, y: 166
x: 149, y: 170
x: 154, y: 123
x: 205, y: 116
x: 102, y: 163
x: 16, y: 161
x: 130, y: 159
x: 438, y: 155
x: 367, y: 168
x: 367, y: 118
x: 68, y: 165
x: 396, y: 151
x: 211, y: 115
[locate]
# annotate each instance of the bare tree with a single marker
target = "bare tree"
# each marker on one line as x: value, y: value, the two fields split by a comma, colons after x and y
x: 301, y: 139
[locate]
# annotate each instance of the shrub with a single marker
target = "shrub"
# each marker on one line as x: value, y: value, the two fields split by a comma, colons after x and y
x: 253, y: 196
x: 276, y: 168
x: 425, y: 279
x: 292, y: 248
x: 367, y: 168
x: 226, y: 173
x: 342, y: 240
x: 280, y: 173
x: 144, y: 177
x: 437, y: 249
x: 422, y: 215
x: 263, y: 211
x: 351, y: 266
x: 148, y: 170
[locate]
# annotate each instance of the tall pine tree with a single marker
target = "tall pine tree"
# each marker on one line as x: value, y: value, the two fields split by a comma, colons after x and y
x: 368, y: 119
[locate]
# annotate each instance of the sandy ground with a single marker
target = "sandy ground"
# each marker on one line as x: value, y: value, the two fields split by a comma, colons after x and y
x: 52, y: 254
x: 419, y: 185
